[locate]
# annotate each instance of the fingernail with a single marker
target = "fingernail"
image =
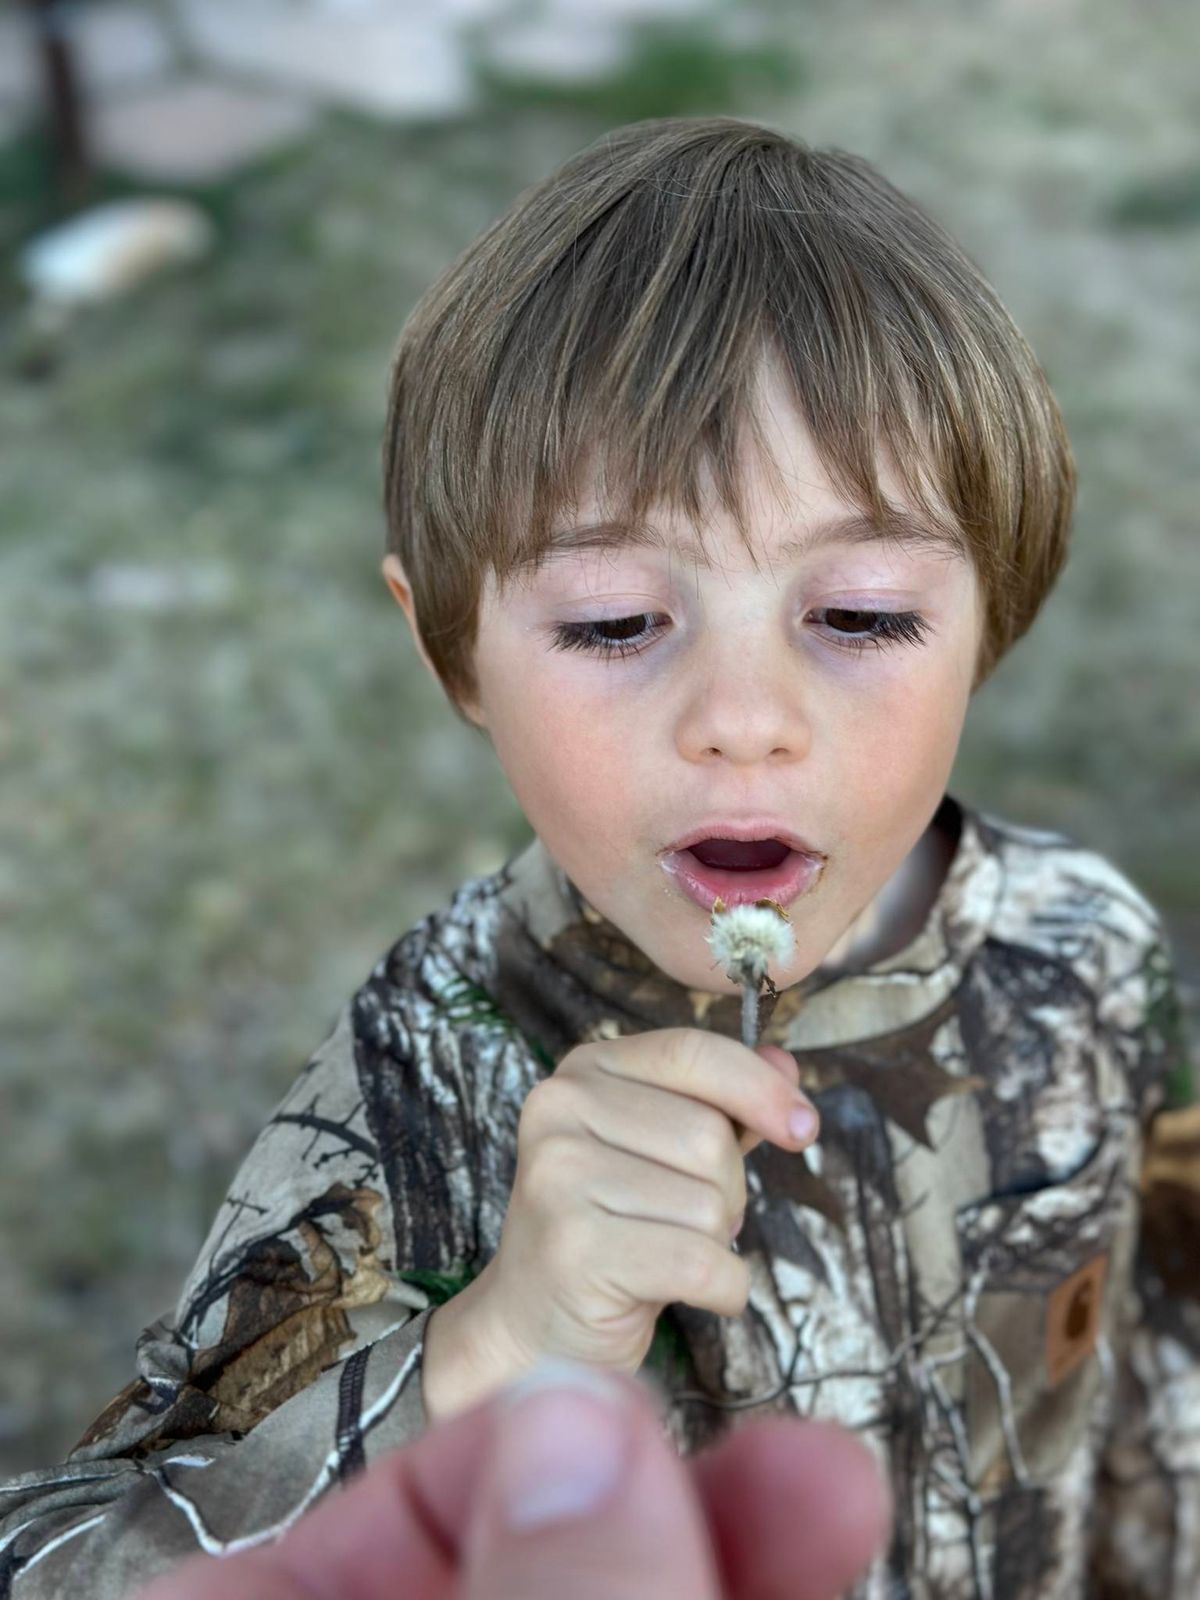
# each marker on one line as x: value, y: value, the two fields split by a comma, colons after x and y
x: 802, y: 1123
x: 562, y: 1444
x: 737, y: 1227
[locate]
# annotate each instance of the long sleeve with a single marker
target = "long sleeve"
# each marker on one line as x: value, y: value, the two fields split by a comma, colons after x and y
x: 1146, y: 1514
x: 292, y: 1357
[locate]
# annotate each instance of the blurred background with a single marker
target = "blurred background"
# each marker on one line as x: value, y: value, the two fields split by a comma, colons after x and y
x: 228, y: 785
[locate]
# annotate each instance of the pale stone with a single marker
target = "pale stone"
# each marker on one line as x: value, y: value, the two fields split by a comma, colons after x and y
x: 108, y: 249
x: 119, y: 45
x: 112, y: 46
x: 390, y: 63
x: 579, y: 53
x: 582, y: 11
x: 196, y: 130
x: 18, y: 71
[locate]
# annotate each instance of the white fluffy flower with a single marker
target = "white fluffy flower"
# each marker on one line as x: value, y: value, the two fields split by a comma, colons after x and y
x: 745, y: 939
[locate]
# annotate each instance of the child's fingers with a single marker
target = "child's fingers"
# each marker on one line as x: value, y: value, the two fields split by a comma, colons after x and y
x: 625, y: 1185
x: 750, y: 1090
x: 667, y: 1133
x: 657, y: 1264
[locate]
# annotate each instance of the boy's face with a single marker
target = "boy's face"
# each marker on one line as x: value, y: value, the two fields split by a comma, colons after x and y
x: 744, y: 701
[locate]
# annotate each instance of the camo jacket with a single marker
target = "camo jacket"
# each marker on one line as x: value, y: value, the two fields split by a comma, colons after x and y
x: 988, y: 1266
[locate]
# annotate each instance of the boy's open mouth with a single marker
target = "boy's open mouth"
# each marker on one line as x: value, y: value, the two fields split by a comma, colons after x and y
x: 741, y: 871
x: 740, y: 855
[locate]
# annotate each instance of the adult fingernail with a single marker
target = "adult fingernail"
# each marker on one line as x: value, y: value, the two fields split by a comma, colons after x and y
x: 563, y: 1438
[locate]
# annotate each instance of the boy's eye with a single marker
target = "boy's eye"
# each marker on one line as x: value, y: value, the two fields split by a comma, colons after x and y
x: 618, y: 636
x: 848, y: 629
x: 862, y: 630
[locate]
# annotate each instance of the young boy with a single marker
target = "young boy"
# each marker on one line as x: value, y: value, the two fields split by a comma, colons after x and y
x: 717, y: 481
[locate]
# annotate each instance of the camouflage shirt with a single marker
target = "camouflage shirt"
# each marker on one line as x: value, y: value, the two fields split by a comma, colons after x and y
x: 988, y: 1266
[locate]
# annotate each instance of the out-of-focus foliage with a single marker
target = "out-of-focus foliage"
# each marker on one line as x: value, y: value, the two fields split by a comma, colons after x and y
x: 673, y: 69
x: 1163, y: 201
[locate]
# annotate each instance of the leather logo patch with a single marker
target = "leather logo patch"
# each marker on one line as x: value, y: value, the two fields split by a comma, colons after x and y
x: 1073, y: 1316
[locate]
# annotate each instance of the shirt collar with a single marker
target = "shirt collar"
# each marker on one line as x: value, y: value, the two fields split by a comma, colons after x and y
x: 566, y: 974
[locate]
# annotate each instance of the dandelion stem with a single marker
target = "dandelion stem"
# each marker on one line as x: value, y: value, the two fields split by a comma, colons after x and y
x: 749, y: 1014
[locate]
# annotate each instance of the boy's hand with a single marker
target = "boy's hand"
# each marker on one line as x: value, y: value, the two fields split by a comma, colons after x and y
x: 629, y: 1190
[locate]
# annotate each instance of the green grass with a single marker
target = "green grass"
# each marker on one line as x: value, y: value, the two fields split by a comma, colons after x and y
x: 1160, y: 202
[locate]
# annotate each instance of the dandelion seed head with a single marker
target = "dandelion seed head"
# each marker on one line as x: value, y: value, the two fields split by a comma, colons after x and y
x: 746, y: 939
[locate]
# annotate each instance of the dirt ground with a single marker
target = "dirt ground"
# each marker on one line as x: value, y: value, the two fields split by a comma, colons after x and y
x: 228, y: 785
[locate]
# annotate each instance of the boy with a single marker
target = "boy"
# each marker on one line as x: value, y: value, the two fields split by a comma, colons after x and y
x: 717, y: 480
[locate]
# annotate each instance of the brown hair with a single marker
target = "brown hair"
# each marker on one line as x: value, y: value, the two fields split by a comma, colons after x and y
x: 615, y: 318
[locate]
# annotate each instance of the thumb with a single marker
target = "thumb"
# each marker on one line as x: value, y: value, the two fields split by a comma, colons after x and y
x: 583, y: 1494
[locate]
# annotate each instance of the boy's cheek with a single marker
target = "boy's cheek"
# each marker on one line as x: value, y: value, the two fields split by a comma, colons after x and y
x: 564, y: 767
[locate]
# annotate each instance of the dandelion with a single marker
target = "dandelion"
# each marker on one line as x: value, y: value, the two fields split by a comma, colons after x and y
x: 745, y: 940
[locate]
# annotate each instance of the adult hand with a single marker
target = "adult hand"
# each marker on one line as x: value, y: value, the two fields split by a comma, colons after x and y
x: 779, y: 1508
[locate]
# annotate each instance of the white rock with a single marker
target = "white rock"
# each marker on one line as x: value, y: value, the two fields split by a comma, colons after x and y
x: 196, y: 129
x: 388, y: 62
x: 585, y: 11
x: 110, y: 248
x: 573, y: 54
x: 112, y: 46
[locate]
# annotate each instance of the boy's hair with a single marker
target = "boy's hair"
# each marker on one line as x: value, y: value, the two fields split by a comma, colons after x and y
x: 614, y: 320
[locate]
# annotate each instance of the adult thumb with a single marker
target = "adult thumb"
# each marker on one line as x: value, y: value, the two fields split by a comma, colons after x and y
x: 583, y: 1495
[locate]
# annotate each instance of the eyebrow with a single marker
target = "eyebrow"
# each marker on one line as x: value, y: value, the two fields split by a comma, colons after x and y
x: 899, y: 528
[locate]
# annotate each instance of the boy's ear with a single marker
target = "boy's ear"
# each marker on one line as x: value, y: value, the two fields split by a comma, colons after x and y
x: 396, y: 580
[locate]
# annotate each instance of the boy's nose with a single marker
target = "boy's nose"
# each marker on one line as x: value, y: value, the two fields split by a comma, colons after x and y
x: 745, y: 718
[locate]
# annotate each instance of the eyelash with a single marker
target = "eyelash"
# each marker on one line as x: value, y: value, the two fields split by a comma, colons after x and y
x: 892, y: 627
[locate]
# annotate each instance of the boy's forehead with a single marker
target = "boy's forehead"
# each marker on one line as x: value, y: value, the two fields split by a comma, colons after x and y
x: 901, y: 528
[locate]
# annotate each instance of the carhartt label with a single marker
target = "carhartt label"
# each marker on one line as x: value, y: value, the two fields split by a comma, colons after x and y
x: 1073, y: 1319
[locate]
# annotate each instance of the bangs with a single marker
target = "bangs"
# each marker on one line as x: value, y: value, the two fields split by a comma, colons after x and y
x: 606, y: 339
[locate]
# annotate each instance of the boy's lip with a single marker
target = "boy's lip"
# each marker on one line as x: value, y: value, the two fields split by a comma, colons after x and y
x: 795, y: 874
x: 756, y: 828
